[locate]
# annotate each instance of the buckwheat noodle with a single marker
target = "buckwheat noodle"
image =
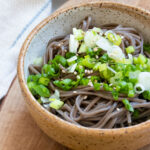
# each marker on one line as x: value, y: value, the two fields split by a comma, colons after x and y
x: 83, y: 105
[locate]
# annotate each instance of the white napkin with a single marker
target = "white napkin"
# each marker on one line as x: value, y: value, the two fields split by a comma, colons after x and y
x: 17, y: 19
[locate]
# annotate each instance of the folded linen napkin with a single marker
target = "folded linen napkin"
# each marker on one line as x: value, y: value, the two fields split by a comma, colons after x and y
x: 17, y: 19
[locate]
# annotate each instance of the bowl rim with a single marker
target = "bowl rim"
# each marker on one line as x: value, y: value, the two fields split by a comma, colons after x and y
x: 31, y: 100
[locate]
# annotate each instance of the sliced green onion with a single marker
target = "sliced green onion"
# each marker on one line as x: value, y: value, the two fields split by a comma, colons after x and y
x: 102, y: 67
x: 65, y: 84
x: 133, y: 76
x: 78, y: 34
x: 142, y: 59
x: 113, y: 37
x: 72, y: 68
x: 97, y: 66
x: 112, y: 70
x: 115, y: 94
x: 131, y: 93
x: 104, y: 44
x: 146, y: 95
x: 73, y: 44
x: 98, y: 30
x: 56, y: 104
x: 118, y: 40
x: 41, y: 90
x: 44, y: 100
x: 139, y: 88
x: 50, y: 70
x: 83, y: 48
x: 144, y: 80
x: 107, y: 87
x: 43, y: 80
x: 69, y: 55
x: 116, y: 78
x: 135, y: 60
x: 31, y: 86
x: 38, y: 61
x: 90, y: 38
x: 130, y: 49
x: 88, y: 62
x: 60, y: 60
x: 127, y: 105
x: 72, y: 59
x: 104, y: 58
x: 97, y: 86
x: 34, y: 78
x: 55, y: 96
x: 84, y: 81
x: 80, y: 68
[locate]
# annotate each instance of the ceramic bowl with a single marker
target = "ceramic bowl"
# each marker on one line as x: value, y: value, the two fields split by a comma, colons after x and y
x: 60, y: 23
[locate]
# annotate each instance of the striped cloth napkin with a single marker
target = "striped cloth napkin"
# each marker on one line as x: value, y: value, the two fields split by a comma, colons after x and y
x: 18, y: 18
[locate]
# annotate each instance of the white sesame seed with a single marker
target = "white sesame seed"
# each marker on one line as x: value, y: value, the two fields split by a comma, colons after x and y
x: 78, y: 77
x: 89, y: 77
x: 77, y: 55
x: 122, y: 37
x: 85, y: 71
x: 75, y: 73
x: 85, y: 97
x: 65, y: 50
x: 59, y: 44
x: 74, y: 91
x: 96, y: 56
x: 63, y: 71
x: 91, y: 71
x: 95, y: 49
x: 90, y: 83
x: 118, y: 109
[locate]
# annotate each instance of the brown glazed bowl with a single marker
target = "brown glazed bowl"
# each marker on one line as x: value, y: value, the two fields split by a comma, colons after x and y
x: 60, y: 23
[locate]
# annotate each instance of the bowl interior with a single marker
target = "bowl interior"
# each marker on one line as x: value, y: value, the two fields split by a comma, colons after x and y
x: 63, y: 24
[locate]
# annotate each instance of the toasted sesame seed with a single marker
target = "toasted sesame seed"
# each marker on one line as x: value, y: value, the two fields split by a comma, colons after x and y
x: 77, y: 55
x: 88, y: 71
x: 63, y: 71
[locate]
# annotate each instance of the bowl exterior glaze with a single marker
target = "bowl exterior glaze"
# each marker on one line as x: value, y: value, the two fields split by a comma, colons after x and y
x: 60, y: 23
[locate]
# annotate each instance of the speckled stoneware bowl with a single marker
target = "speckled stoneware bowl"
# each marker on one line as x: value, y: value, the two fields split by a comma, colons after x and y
x: 60, y: 23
